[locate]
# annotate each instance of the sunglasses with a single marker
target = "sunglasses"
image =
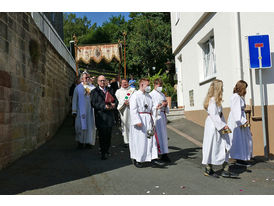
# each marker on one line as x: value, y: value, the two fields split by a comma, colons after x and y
x: 102, y: 80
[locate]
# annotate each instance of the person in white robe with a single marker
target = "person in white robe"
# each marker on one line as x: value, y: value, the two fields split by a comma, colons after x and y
x: 159, y: 99
x: 240, y: 138
x: 142, y: 141
x: 81, y: 108
x: 123, y: 95
x: 215, y: 141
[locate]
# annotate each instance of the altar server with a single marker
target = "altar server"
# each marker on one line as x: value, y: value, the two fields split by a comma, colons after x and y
x: 240, y: 138
x: 215, y: 142
x: 159, y: 99
x: 142, y: 140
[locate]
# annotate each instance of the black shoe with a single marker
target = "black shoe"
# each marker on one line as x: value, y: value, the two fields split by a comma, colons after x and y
x: 137, y: 164
x: 211, y: 173
x: 89, y: 146
x: 165, y: 158
x: 243, y: 163
x: 103, y: 157
x: 228, y: 174
x: 158, y: 163
x: 108, y: 154
x: 80, y: 145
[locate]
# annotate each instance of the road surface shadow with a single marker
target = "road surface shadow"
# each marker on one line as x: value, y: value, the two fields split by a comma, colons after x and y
x: 59, y: 161
x: 188, y: 153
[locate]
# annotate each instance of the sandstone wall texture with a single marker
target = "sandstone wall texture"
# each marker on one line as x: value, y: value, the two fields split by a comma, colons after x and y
x: 34, y: 87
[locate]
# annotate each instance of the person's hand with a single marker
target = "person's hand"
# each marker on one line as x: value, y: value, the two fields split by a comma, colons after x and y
x: 159, y: 106
x: 112, y: 105
x: 139, y: 125
x: 226, y: 127
x: 165, y: 104
x: 108, y: 106
x: 126, y: 102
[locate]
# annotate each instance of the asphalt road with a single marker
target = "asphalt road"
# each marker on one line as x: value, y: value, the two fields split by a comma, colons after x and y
x: 59, y: 168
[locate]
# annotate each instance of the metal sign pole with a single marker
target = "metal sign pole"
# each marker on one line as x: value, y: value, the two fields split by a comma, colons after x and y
x: 262, y: 104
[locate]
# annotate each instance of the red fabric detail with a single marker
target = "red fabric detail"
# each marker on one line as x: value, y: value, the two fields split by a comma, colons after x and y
x: 154, y: 129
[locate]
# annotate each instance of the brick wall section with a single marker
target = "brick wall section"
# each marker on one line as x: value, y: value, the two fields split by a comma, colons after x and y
x: 33, y: 96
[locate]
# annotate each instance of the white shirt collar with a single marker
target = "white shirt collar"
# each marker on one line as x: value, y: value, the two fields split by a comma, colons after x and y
x: 102, y: 88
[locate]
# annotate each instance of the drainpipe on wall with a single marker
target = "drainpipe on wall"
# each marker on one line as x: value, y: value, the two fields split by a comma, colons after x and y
x: 238, y: 36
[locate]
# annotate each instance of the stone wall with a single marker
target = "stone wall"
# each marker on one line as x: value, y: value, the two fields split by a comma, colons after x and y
x: 34, y: 87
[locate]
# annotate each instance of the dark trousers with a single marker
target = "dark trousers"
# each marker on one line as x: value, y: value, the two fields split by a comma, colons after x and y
x: 104, y: 134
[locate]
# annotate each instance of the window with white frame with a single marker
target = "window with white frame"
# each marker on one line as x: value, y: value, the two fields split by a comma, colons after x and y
x: 177, y: 17
x: 209, y: 58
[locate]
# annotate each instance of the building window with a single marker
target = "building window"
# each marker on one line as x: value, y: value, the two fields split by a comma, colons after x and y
x: 209, y: 58
x: 191, y: 98
x: 177, y: 17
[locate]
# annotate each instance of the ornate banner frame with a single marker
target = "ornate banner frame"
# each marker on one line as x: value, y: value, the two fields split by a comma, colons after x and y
x: 97, y: 53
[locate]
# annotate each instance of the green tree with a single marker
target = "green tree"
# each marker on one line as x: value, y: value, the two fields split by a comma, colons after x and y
x: 109, y: 32
x: 148, y: 42
x: 78, y: 26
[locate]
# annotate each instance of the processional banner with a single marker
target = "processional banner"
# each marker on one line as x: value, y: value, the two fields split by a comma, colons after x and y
x: 97, y: 53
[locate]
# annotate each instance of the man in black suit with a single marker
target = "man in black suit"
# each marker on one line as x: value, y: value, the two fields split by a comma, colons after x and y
x: 104, y: 114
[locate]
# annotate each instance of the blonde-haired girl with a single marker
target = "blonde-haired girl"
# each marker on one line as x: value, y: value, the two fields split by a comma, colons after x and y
x: 215, y: 143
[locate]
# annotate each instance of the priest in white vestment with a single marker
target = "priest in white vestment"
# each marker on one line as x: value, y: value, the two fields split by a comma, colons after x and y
x: 142, y: 141
x: 81, y: 108
x: 240, y: 138
x: 159, y: 99
x: 123, y: 95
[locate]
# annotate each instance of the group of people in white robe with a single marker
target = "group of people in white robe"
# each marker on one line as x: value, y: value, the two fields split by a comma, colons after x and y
x: 142, y: 114
x: 226, y: 140
x: 143, y: 117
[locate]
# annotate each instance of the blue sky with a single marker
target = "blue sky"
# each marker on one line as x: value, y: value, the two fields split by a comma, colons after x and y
x: 100, y: 17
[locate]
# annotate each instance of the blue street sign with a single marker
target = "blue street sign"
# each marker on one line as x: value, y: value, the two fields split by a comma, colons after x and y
x: 259, y: 44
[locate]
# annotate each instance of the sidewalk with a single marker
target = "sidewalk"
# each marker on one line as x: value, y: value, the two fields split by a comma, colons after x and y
x: 175, y: 114
x: 194, y: 133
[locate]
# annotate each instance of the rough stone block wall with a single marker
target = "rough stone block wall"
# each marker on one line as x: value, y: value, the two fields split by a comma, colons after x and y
x: 34, y: 87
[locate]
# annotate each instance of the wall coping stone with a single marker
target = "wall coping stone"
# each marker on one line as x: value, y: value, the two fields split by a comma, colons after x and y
x: 48, y: 30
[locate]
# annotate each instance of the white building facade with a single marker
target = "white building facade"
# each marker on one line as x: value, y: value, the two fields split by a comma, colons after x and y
x: 210, y: 45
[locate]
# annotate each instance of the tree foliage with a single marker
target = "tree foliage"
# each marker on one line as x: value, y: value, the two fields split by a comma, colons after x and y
x: 78, y: 26
x: 148, y: 39
x: 168, y: 88
x: 149, y: 42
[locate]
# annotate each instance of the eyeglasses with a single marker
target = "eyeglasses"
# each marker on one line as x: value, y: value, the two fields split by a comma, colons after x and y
x: 102, y: 80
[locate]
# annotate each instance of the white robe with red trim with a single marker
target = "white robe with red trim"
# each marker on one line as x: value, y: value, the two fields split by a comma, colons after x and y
x: 142, y: 149
x: 161, y: 120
